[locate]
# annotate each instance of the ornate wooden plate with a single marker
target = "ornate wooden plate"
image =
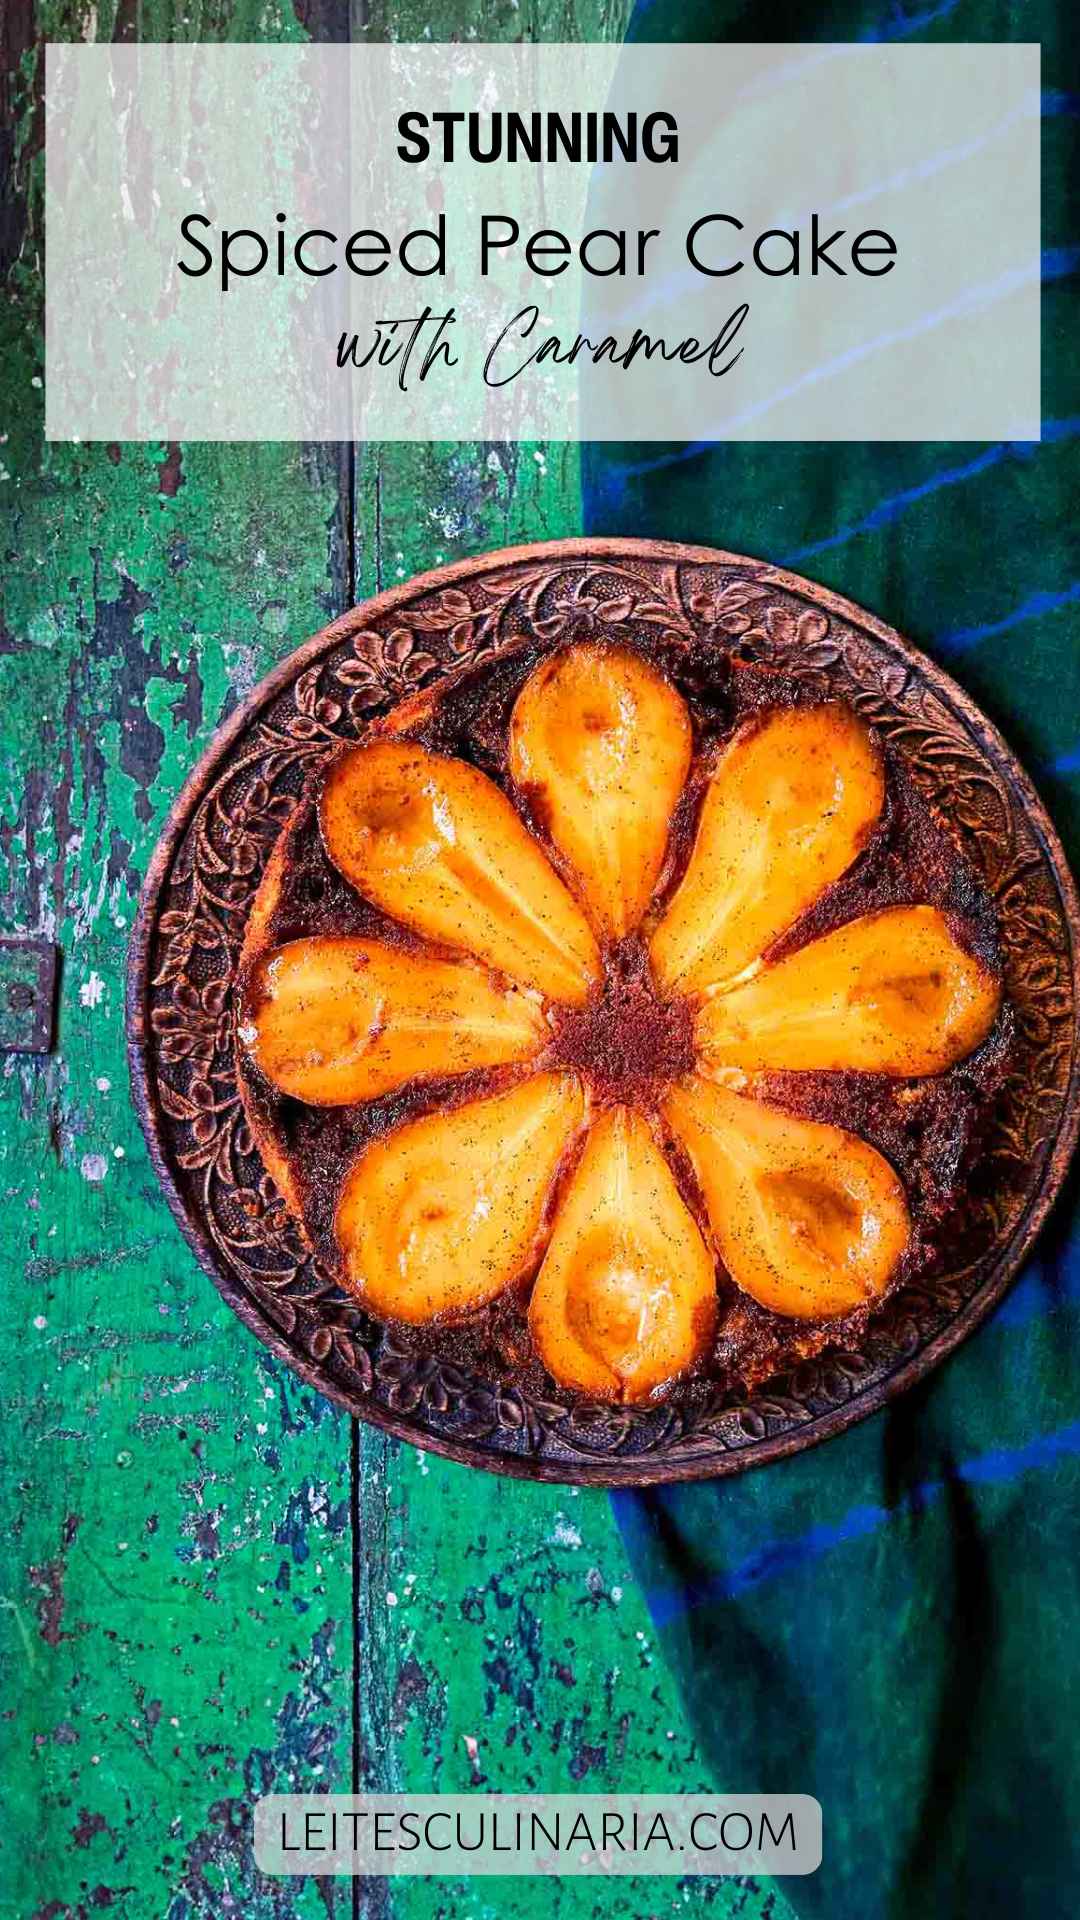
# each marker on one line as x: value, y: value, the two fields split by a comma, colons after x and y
x: 208, y: 864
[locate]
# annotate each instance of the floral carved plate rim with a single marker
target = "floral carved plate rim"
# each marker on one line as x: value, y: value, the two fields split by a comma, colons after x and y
x: 212, y: 852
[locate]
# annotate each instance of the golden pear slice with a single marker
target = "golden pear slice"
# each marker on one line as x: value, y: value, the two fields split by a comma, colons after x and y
x: 434, y: 843
x: 601, y: 744
x: 808, y: 1219
x: 442, y: 1215
x: 626, y: 1297
x: 334, y: 1021
x: 791, y: 803
x: 892, y: 992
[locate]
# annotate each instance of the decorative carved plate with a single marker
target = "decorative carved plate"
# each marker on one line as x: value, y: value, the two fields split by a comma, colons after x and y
x: 207, y: 866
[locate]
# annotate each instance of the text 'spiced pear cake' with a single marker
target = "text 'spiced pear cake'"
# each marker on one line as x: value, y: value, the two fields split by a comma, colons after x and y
x: 630, y: 1022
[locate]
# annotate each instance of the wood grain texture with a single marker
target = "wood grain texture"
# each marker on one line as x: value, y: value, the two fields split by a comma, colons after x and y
x: 178, y: 1575
x: 212, y: 1584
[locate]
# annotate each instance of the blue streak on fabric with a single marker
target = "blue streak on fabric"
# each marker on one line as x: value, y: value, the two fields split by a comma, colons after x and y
x: 613, y: 485
x: 894, y: 505
x: 891, y: 508
x: 777, y: 1557
x: 1035, y: 607
x: 1058, y: 262
x: 1065, y: 762
x: 899, y: 24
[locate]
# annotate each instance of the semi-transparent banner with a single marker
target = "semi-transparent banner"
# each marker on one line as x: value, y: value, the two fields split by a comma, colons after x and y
x: 559, y: 242
x: 675, y: 1834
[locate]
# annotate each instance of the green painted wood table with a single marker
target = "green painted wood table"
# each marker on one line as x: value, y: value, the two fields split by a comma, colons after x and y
x: 214, y: 1584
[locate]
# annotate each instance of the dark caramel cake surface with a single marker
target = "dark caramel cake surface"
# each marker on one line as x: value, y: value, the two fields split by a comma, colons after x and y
x: 740, y: 1021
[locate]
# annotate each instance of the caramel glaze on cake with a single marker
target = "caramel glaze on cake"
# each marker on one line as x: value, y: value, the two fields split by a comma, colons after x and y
x: 625, y: 1043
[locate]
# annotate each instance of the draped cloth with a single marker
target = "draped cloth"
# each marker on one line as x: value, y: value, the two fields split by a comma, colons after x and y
x: 891, y: 1621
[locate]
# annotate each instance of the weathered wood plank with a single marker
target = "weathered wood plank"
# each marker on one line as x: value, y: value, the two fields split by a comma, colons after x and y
x: 177, y: 1580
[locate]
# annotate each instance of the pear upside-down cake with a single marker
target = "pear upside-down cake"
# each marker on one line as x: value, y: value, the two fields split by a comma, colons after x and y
x: 628, y: 1023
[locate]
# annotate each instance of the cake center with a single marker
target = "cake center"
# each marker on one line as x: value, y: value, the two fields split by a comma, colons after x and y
x: 628, y: 1043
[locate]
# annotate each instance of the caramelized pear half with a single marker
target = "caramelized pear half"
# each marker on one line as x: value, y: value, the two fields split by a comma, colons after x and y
x: 436, y: 844
x: 791, y: 803
x: 626, y: 1297
x: 442, y: 1215
x: 892, y: 992
x: 333, y: 1021
x: 601, y: 745
x: 809, y: 1220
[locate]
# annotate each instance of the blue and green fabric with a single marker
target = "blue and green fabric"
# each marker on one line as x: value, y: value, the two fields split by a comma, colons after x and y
x: 892, y: 1621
